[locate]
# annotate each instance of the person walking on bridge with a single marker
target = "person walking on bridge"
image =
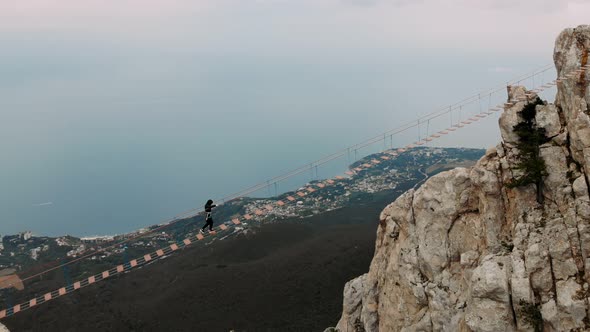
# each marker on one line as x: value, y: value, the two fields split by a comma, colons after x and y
x: 208, y: 219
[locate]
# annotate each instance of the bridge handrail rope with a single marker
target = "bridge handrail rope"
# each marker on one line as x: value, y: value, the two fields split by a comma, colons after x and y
x: 412, y: 124
x: 402, y: 128
x: 262, y: 185
x: 236, y: 221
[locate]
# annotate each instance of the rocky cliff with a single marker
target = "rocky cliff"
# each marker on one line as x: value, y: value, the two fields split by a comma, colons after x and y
x: 469, y: 252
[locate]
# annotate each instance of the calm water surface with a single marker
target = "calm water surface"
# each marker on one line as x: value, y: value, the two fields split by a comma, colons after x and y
x: 94, y: 147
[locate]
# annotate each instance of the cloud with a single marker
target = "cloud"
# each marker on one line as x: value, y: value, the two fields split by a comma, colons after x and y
x: 372, y: 3
x: 284, y: 26
x: 51, y: 14
x: 528, y: 6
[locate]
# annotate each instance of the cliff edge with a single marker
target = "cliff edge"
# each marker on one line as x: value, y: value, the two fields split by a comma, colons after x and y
x: 477, y: 250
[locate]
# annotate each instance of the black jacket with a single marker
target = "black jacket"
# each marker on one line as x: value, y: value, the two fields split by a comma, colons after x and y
x: 208, y: 207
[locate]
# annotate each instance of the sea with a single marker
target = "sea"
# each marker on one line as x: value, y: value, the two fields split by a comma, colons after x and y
x: 92, y: 147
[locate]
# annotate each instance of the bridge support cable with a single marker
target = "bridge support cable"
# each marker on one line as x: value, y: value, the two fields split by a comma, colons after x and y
x: 162, y: 252
x: 340, y: 154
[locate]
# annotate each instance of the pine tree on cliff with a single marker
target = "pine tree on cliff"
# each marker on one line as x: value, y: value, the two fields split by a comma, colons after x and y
x: 530, y: 163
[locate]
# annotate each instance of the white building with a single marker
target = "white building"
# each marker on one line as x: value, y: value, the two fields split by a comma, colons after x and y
x: 26, y: 235
x: 35, y: 253
x: 61, y: 242
x: 98, y: 239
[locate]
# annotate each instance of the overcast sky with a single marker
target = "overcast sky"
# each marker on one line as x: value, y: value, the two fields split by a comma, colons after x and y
x: 206, y: 97
x: 292, y: 26
x: 49, y: 42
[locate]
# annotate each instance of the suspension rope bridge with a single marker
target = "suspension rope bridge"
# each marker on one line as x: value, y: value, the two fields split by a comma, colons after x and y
x: 305, y: 191
x: 424, y: 119
x: 458, y: 106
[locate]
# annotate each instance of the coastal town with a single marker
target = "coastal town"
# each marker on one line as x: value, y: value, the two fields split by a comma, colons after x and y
x: 21, y: 251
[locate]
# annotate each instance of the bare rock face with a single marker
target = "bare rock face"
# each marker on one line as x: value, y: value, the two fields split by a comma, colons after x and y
x: 465, y: 252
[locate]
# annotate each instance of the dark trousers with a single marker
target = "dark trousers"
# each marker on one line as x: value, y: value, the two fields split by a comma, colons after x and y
x: 208, y: 222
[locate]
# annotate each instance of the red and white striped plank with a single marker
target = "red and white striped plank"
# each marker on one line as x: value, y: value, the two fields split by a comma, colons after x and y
x: 133, y: 263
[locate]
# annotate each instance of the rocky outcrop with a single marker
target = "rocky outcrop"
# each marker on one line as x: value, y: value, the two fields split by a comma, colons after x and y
x: 465, y: 252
